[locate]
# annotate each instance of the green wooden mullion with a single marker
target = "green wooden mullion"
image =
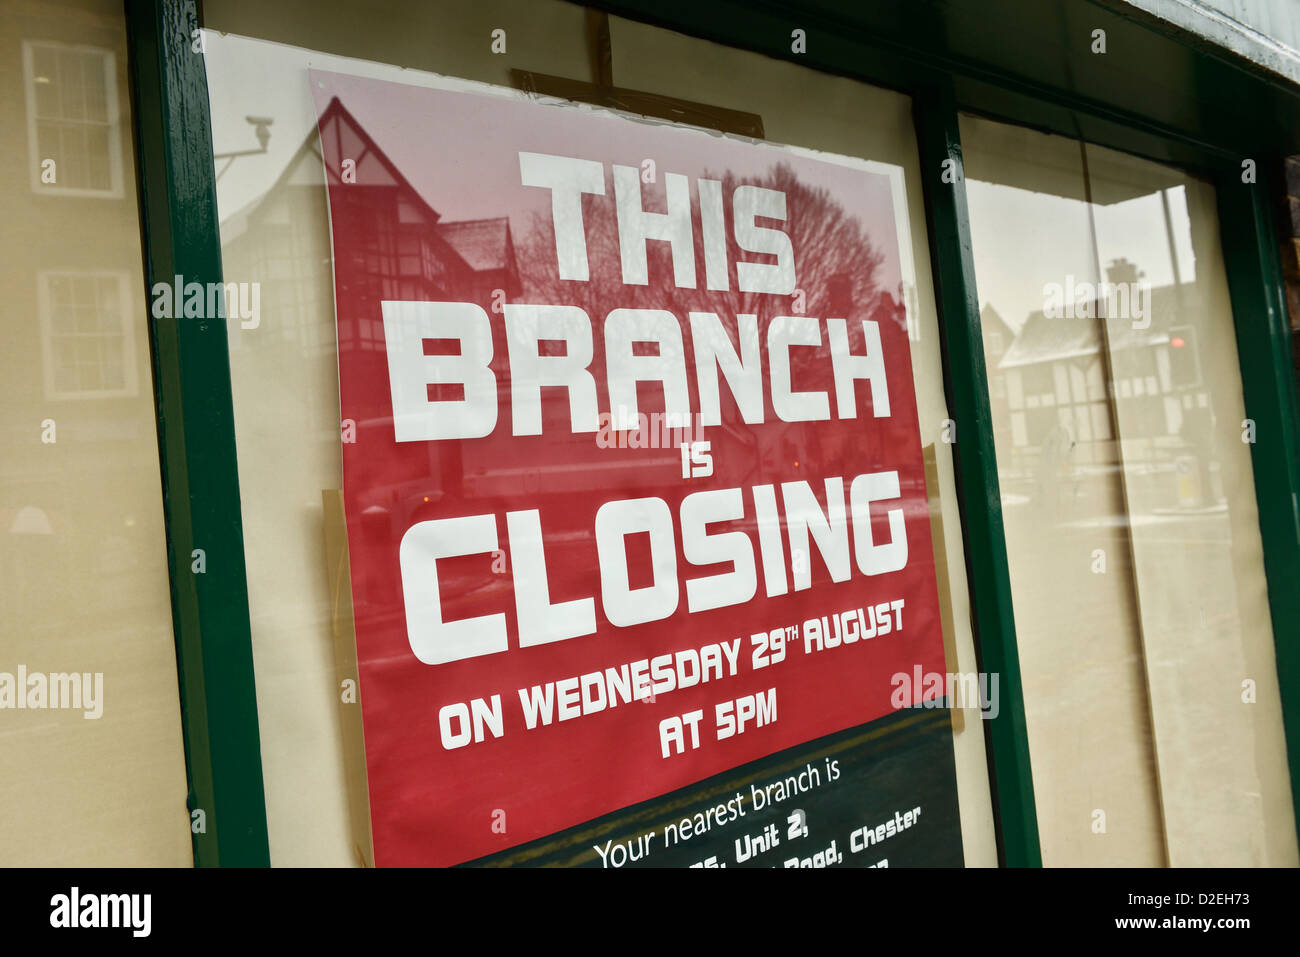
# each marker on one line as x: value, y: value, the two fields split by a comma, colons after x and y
x: 1250, y: 252
x: 196, y: 437
x: 975, y: 459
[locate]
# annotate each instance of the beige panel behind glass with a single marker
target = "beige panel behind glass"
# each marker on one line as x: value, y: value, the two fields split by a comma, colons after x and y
x: 83, y: 564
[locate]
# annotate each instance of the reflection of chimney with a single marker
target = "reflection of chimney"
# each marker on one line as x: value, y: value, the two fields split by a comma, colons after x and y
x: 1122, y: 271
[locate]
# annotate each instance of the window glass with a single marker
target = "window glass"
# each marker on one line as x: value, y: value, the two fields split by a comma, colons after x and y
x: 1123, y: 449
x: 92, y: 768
x: 275, y: 229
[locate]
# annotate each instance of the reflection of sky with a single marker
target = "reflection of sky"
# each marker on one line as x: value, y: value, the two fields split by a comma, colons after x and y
x: 1047, y: 237
x: 459, y: 163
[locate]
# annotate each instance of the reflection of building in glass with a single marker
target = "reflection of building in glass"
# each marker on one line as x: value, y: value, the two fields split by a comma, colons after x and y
x: 410, y: 254
x: 997, y: 336
x: 1063, y: 377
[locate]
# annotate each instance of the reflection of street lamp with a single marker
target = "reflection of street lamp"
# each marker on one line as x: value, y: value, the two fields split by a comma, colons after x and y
x: 261, y: 129
x: 260, y: 124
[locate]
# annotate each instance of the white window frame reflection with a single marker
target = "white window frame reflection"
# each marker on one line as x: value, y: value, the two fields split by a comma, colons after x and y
x: 111, y: 124
x: 125, y: 333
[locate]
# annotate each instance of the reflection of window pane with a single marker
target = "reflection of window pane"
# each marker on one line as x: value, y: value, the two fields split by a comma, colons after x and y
x: 96, y: 91
x: 65, y: 360
x: 112, y: 351
x: 44, y: 70
x: 1078, y: 385
x: 47, y: 99
x: 60, y: 291
x: 71, y: 93
x: 97, y: 158
x: 48, y: 142
x: 71, y: 87
x: 107, y: 291
x: 72, y: 169
x: 1173, y: 416
x: 113, y: 375
x: 92, y: 378
x: 1019, y: 435
x: 1082, y: 427
x: 1061, y: 378
x: 87, y: 352
x: 1096, y: 385
x: 1100, y: 420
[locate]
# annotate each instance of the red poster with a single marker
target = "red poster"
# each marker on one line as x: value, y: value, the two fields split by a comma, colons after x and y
x: 633, y: 480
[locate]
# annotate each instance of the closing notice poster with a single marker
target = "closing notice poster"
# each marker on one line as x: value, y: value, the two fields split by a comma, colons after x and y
x: 635, y: 495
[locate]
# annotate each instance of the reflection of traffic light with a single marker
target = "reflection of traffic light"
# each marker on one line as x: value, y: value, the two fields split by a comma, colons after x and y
x: 1184, y: 364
